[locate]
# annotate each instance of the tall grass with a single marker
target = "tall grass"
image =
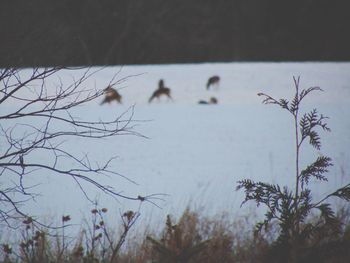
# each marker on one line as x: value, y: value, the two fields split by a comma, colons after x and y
x: 191, y: 238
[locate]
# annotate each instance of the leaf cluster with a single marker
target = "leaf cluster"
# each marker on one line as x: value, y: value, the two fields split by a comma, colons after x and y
x: 290, y: 105
x: 291, y: 208
x: 308, y: 123
x: 343, y: 193
x: 280, y: 202
x: 316, y: 170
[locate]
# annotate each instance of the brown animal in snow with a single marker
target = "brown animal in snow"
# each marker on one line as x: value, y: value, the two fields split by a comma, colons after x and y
x: 110, y: 95
x: 212, y: 100
x: 214, y: 80
x: 162, y: 90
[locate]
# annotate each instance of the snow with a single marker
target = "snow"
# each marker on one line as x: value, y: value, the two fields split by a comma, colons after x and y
x: 195, y: 154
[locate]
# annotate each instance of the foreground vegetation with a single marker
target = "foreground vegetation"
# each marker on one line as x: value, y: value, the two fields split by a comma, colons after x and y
x: 290, y: 206
x: 191, y: 238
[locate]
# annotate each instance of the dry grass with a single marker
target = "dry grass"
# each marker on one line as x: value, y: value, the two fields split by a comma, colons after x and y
x: 192, y: 238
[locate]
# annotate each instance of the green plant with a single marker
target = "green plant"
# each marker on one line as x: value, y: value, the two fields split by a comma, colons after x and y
x: 290, y: 207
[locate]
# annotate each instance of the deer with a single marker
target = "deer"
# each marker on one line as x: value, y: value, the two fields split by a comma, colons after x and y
x: 212, y: 100
x: 214, y: 80
x: 162, y: 90
x: 110, y: 95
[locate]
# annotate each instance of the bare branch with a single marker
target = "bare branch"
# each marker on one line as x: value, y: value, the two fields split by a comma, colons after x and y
x: 37, y: 119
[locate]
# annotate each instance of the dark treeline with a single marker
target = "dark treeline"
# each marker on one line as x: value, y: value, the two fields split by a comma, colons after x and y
x: 99, y: 32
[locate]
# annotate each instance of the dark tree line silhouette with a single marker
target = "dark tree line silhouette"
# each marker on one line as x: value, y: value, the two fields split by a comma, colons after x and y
x: 91, y: 32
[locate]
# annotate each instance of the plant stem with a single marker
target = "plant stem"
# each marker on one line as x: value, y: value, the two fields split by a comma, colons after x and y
x: 296, y: 202
x: 296, y: 226
x: 297, y: 148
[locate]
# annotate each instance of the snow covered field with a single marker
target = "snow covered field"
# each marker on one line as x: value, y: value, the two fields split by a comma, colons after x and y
x: 196, y: 153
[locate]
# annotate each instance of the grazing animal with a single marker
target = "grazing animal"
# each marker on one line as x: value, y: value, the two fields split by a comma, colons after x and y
x: 162, y: 90
x: 110, y: 95
x: 214, y: 80
x: 212, y: 100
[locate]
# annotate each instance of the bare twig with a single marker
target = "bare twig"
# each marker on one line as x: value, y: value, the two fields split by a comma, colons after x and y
x: 37, y: 118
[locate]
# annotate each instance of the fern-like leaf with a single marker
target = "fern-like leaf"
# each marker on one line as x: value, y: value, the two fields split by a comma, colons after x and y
x: 304, y: 126
x: 343, y: 193
x: 284, y: 104
x: 294, y: 106
x: 280, y: 203
x: 315, y: 140
x: 316, y: 170
x: 261, y: 193
x: 326, y: 212
x: 304, y: 92
x: 308, y: 123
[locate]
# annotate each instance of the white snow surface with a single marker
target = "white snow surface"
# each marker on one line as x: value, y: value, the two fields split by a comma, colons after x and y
x: 195, y: 154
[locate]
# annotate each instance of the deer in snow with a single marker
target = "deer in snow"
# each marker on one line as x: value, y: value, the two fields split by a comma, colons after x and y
x: 212, y: 100
x: 214, y: 80
x: 162, y: 90
x: 110, y: 95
